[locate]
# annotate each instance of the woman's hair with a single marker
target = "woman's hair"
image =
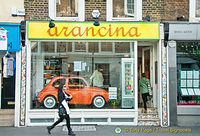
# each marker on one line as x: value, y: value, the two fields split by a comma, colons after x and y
x: 144, y: 74
x: 61, y: 87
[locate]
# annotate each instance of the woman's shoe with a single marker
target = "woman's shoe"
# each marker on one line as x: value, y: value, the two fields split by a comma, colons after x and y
x: 49, y: 129
x: 71, y: 133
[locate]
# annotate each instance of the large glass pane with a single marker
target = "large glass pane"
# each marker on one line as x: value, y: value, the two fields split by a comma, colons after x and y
x: 188, y: 73
x: 66, y: 8
x: 95, y: 74
x: 122, y: 47
x: 61, y: 46
x: 93, y: 47
x: 106, y: 46
x: 123, y: 8
x: 197, y: 8
x: 48, y: 47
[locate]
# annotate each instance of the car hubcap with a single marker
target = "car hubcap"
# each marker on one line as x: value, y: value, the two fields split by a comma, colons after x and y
x: 99, y: 102
x: 49, y: 102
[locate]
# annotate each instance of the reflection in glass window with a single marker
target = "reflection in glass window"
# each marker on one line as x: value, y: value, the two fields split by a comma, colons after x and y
x: 48, y: 46
x: 197, y: 8
x: 61, y: 46
x: 122, y: 47
x: 66, y: 8
x: 71, y: 61
x: 80, y: 46
x: 123, y: 8
x: 106, y: 46
x: 34, y: 46
x: 93, y: 46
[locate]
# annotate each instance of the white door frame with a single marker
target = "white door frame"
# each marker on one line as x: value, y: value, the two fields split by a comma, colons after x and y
x: 151, y: 61
x: 152, y: 78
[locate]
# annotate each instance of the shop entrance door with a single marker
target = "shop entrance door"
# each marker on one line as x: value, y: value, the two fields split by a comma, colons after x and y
x: 8, y: 93
x: 147, y: 65
x: 146, y: 59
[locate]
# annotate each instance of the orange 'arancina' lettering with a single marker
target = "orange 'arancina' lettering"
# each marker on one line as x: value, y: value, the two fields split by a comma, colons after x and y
x: 89, y: 31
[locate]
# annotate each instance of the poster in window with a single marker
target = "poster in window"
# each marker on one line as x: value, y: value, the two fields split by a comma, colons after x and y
x: 189, y: 83
x: 195, y: 83
x: 190, y: 91
x: 197, y: 91
x: 184, y: 92
x: 3, y: 39
x: 196, y: 74
x: 183, y: 83
x: 112, y: 92
x: 77, y: 66
x: 183, y: 74
x: 189, y: 74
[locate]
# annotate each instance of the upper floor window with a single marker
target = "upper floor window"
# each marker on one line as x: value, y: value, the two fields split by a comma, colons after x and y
x: 130, y: 10
x: 194, y: 11
x: 70, y: 10
x: 197, y: 8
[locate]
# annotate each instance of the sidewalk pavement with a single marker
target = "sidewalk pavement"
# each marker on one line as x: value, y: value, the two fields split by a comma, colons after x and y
x: 100, y: 130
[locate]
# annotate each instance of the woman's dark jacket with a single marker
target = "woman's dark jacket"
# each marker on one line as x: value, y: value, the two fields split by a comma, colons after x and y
x: 61, y: 96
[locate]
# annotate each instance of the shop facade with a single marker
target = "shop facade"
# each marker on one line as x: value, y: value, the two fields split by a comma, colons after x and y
x: 71, y: 52
x: 9, y: 49
x: 184, y: 37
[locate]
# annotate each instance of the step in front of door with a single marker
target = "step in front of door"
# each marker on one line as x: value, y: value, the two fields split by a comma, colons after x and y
x: 7, y: 117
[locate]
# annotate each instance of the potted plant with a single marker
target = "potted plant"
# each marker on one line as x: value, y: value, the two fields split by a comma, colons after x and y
x: 115, y: 102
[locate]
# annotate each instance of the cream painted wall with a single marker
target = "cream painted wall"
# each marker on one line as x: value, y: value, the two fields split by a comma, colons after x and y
x: 6, y: 10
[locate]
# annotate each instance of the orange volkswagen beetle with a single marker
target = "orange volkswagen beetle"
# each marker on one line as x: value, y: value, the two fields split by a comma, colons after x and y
x: 78, y: 87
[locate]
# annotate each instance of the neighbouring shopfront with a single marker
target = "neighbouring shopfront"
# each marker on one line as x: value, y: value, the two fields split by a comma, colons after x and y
x: 186, y: 37
x: 100, y: 66
x: 9, y: 48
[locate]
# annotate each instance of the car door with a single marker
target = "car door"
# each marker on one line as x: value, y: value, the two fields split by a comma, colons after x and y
x: 79, y: 91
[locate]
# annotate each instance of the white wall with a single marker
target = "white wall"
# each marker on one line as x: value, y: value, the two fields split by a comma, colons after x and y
x: 6, y: 10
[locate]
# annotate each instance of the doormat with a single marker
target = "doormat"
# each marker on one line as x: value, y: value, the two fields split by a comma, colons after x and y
x: 81, y: 128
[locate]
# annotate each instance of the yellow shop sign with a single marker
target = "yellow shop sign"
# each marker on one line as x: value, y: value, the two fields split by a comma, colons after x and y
x: 86, y: 30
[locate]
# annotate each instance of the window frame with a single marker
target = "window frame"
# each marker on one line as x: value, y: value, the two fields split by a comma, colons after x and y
x: 137, y: 11
x: 126, y: 8
x: 192, y: 12
x: 81, y: 12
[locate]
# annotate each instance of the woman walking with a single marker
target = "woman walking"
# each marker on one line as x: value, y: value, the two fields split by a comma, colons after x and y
x: 63, y: 99
x: 143, y: 85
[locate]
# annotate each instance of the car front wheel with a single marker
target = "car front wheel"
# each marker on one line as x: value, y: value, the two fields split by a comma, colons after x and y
x: 99, y: 101
x: 49, y: 102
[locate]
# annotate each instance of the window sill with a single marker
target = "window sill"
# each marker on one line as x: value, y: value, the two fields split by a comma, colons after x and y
x: 124, y: 19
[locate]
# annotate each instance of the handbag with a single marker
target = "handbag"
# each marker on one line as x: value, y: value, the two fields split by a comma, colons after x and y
x: 61, y: 111
x: 150, y: 91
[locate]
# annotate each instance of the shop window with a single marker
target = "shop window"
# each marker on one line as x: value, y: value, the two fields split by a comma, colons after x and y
x: 61, y: 46
x: 106, y: 46
x: 130, y: 10
x: 121, y: 47
x: 112, y: 88
x: 34, y: 46
x: 188, y: 73
x: 80, y: 47
x: 194, y: 15
x: 67, y: 10
x: 48, y: 46
x: 93, y: 47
